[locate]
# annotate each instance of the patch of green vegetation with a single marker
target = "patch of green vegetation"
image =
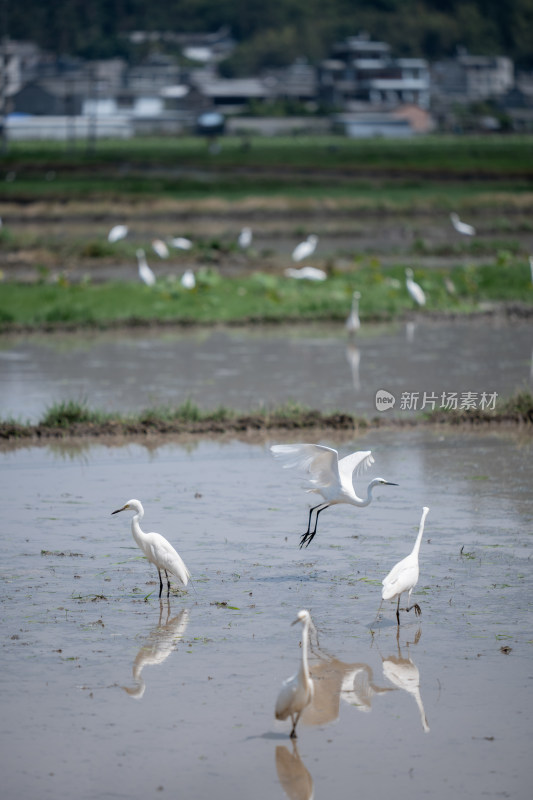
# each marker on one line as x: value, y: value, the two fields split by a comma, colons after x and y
x: 68, y: 413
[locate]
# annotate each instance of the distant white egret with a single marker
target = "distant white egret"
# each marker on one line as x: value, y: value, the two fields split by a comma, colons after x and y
x: 156, y: 548
x: 297, y: 691
x: 305, y: 249
x: 188, y: 281
x: 160, y: 248
x: 245, y: 238
x: 117, y: 232
x: 414, y: 289
x: 180, y: 243
x: 403, y: 577
x: 353, y: 323
x: 462, y: 227
x: 145, y: 273
x: 306, y: 273
x: 330, y: 477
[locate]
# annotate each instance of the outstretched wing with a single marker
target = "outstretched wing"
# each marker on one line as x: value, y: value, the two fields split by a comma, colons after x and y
x: 355, y: 464
x: 320, y: 462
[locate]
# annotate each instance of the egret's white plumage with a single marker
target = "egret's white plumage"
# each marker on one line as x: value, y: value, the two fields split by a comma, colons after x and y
x: 353, y: 323
x: 403, y: 577
x: 305, y: 249
x: 145, y: 273
x: 306, y: 273
x: 329, y: 476
x: 117, y: 232
x: 462, y: 227
x: 188, y: 281
x: 245, y: 238
x: 180, y: 243
x: 156, y: 548
x: 414, y: 289
x: 297, y: 691
x: 159, y: 247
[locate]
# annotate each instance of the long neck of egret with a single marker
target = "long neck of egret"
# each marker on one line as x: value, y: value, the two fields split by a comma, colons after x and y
x: 416, y: 548
x: 304, y: 669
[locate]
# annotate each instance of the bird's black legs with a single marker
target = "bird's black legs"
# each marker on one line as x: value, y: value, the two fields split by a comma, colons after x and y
x: 160, y: 582
x: 168, y: 584
x: 308, y: 536
x: 418, y: 610
x: 294, y: 735
x: 398, y: 610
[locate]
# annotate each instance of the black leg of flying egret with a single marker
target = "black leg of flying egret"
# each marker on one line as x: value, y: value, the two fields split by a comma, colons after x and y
x: 160, y: 582
x: 309, y: 535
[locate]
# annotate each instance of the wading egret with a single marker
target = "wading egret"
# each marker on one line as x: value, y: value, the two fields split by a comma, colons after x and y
x: 180, y: 243
x: 117, y: 232
x: 188, y: 281
x: 245, y: 238
x: 297, y: 691
x: 305, y: 249
x: 156, y: 548
x: 159, y: 247
x: 353, y: 323
x: 306, y: 273
x: 414, y: 289
x: 462, y: 227
x: 145, y: 273
x: 403, y: 577
x: 330, y: 477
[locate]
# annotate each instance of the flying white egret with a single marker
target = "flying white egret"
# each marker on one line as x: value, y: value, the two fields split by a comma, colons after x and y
x: 353, y: 323
x: 462, y: 227
x: 156, y: 548
x: 188, y: 281
x: 306, y: 273
x: 245, y: 238
x: 329, y: 476
x: 160, y: 248
x: 180, y: 243
x: 305, y: 249
x: 117, y: 232
x: 297, y: 691
x: 145, y: 273
x: 403, y: 577
x: 414, y: 289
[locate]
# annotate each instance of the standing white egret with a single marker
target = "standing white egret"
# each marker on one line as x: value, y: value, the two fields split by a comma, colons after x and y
x: 462, y: 227
x: 330, y: 477
x: 305, y: 249
x: 306, y: 273
x: 160, y: 248
x: 353, y: 323
x: 180, y: 243
x: 414, y: 289
x: 145, y: 273
x: 188, y: 281
x: 117, y: 232
x: 403, y: 577
x: 156, y: 548
x: 245, y: 238
x: 297, y: 691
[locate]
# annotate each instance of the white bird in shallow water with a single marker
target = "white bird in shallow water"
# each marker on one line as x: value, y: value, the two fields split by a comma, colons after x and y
x: 306, y: 273
x: 117, y: 232
x: 180, y: 243
x: 160, y: 248
x: 145, y: 273
x: 245, y: 238
x: 414, y: 289
x: 305, y: 249
x: 462, y: 227
x: 188, y: 281
x: 353, y: 323
x: 403, y: 577
x: 329, y: 476
x: 156, y: 548
x: 297, y: 691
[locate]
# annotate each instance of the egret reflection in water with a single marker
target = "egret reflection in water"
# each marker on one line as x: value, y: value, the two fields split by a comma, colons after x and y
x: 404, y: 674
x: 293, y: 775
x: 160, y: 643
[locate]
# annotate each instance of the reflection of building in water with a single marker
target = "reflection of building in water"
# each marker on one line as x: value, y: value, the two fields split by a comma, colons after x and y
x: 294, y: 777
x: 160, y: 643
x: 333, y: 680
x: 404, y: 674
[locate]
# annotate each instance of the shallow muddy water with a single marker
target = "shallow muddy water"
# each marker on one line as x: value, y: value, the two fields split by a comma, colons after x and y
x: 316, y: 366
x: 109, y: 693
